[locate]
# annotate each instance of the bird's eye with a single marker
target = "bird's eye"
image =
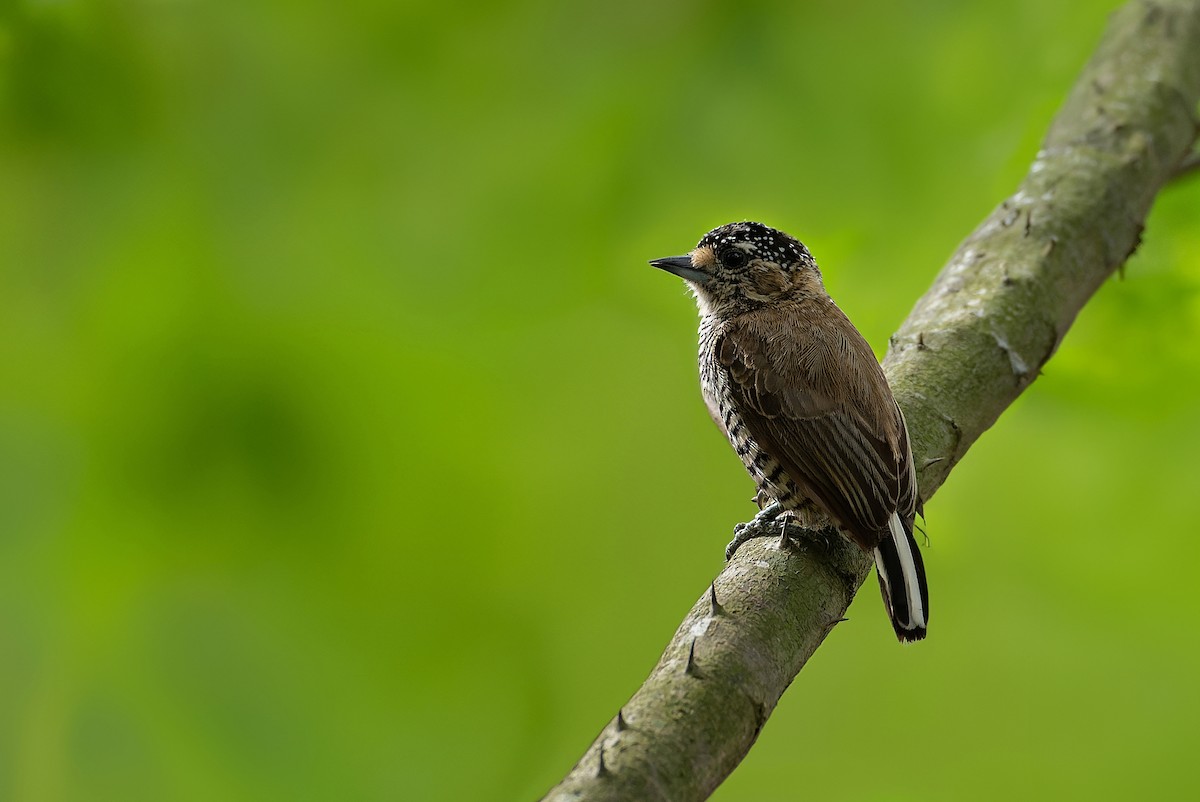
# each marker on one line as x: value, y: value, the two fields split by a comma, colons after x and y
x: 734, y: 257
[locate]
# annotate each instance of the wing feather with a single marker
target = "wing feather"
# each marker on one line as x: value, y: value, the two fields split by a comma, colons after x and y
x: 816, y: 400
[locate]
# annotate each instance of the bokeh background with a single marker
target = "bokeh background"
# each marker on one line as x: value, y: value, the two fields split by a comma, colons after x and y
x: 349, y: 448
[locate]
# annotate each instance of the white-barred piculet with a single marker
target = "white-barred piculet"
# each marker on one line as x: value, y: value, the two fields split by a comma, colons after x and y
x: 798, y: 392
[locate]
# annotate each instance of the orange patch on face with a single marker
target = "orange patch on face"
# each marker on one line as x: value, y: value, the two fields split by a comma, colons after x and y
x: 703, y: 257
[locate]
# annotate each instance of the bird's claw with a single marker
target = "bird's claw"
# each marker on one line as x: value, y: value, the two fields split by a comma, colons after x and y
x: 759, y: 526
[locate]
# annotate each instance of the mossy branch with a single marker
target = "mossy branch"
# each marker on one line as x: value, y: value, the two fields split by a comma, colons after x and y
x: 974, y: 341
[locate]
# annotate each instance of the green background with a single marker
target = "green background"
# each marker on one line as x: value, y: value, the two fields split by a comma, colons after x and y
x: 349, y: 448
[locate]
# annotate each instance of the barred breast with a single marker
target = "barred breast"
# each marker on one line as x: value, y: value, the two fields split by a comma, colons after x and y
x: 768, y: 474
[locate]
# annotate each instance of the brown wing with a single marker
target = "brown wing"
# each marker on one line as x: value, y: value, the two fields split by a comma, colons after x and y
x: 813, y: 396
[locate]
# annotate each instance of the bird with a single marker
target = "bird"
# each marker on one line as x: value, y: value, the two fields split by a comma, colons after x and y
x: 796, y: 389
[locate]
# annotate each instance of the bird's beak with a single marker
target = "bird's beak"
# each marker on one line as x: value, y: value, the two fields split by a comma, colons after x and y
x: 682, y: 267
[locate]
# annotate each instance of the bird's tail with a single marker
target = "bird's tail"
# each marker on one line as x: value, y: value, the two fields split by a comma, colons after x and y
x: 902, y: 580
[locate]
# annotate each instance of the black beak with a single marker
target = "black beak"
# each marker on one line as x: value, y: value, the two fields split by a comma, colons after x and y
x: 682, y: 267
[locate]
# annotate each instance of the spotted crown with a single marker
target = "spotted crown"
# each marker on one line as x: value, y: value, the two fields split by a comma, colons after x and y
x: 770, y: 245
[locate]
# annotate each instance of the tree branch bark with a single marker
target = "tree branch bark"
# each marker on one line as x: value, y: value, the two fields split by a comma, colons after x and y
x: 974, y: 341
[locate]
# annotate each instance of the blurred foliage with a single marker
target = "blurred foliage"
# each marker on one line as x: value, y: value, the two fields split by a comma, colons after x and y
x: 349, y: 449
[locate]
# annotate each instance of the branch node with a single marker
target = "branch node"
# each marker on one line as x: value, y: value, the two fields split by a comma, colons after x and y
x: 690, y: 669
x: 715, y: 607
x: 601, y: 767
x: 761, y: 714
x: 1019, y: 367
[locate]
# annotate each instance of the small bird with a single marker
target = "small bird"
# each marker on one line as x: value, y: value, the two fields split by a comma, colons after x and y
x: 798, y: 392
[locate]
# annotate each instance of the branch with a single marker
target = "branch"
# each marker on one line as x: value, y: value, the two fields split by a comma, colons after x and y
x: 1189, y: 165
x: 972, y: 344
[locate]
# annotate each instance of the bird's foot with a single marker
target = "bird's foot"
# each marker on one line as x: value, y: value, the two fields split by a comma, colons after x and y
x: 759, y: 526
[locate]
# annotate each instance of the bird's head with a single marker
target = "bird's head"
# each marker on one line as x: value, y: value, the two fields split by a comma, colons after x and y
x: 741, y: 266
